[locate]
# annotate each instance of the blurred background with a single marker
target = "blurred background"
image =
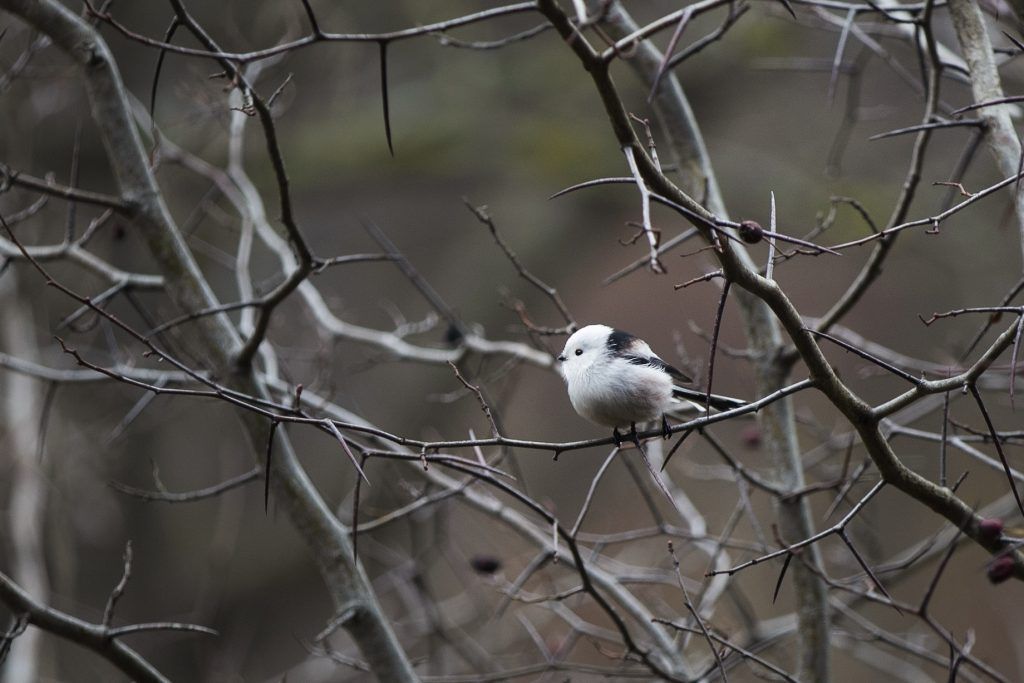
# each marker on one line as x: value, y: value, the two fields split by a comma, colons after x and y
x: 505, y: 128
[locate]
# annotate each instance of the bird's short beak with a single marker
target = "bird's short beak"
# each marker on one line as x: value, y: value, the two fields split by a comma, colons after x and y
x: 562, y: 359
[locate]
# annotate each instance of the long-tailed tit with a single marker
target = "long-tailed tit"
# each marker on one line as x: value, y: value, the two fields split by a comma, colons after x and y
x: 615, y: 379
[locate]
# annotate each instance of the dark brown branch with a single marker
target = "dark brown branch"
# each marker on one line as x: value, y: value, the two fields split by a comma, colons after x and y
x: 789, y: 549
x: 255, y: 55
x: 976, y: 123
x: 867, y: 356
x: 484, y: 217
x: 998, y: 444
x: 719, y: 313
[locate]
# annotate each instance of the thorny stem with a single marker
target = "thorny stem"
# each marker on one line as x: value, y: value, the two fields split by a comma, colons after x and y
x: 761, y: 328
x: 324, y: 535
x: 1003, y: 142
x: 764, y: 306
x: 780, y: 429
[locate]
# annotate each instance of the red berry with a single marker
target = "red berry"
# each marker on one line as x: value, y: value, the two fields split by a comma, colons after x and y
x: 990, y: 528
x: 751, y: 436
x: 1001, y: 569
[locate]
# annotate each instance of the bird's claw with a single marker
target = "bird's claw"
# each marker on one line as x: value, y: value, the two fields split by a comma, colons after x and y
x: 633, y: 436
x: 665, y: 431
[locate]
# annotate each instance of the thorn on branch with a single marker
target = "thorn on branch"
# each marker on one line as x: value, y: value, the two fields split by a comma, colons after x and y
x: 988, y: 103
x: 168, y: 36
x: 998, y: 444
x: 591, y: 183
x: 267, y: 468
x: 383, y: 45
x: 333, y: 428
x: 18, y: 626
x: 782, y: 575
x: 675, y: 447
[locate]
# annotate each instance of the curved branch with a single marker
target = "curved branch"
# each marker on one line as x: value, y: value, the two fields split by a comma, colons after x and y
x: 95, y: 637
x: 316, y: 37
x: 985, y: 85
x: 736, y: 267
x: 762, y: 330
x: 323, y: 534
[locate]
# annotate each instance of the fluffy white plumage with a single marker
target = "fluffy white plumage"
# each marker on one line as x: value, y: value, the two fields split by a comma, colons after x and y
x: 605, y: 386
x: 616, y: 380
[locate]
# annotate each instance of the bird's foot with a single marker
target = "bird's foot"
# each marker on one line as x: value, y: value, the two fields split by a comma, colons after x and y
x: 666, y: 433
x: 633, y: 436
x: 617, y: 437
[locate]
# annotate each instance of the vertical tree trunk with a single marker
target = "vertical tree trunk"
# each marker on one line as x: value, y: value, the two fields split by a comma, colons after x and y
x: 26, y: 516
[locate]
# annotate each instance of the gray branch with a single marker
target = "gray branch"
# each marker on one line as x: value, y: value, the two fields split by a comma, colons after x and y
x: 187, y: 287
x: 985, y: 86
x: 762, y: 329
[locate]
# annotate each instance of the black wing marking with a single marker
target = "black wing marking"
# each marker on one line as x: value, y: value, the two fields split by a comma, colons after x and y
x: 636, y: 351
x: 622, y: 343
x: 659, y: 364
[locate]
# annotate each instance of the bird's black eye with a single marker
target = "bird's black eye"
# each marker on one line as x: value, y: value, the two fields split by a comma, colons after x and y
x: 579, y: 352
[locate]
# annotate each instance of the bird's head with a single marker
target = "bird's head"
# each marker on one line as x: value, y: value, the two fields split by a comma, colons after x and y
x: 585, y: 347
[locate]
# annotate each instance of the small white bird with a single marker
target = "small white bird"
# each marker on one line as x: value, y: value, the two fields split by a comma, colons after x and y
x: 615, y: 379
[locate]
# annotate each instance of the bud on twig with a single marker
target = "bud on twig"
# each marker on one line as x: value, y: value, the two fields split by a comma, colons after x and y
x: 1001, y: 569
x: 991, y: 528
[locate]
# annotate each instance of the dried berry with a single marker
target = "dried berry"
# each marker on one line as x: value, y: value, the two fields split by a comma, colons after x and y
x: 751, y: 436
x: 751, y: 232
x: 990, y: 528
x: 485, y: 564
x: 453, y: 335
x: 1001, y: 569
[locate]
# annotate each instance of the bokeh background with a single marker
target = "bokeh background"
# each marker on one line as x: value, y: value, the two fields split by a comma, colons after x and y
x: 506, y: 128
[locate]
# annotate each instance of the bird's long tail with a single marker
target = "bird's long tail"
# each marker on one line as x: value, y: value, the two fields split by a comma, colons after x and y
x: 700, y: 398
